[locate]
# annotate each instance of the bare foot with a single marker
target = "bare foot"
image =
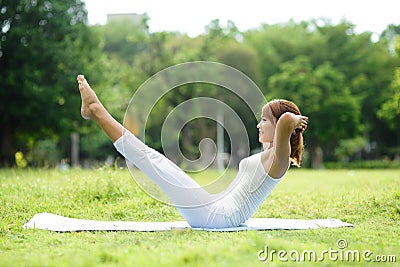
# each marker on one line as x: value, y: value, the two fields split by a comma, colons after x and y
x: 90, y: 102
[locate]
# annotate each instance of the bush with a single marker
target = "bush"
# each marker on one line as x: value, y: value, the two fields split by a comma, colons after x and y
x: 45, y: 154
x: 364, y: 164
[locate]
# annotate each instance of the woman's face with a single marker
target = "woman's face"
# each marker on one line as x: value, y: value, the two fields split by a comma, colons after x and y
x: 266, y: 130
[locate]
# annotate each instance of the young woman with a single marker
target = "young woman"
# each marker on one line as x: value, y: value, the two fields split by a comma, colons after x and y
x: 280, y: 132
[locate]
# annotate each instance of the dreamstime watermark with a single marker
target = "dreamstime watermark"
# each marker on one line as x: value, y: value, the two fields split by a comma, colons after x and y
x: 214, y: 81
x: 339, y: 253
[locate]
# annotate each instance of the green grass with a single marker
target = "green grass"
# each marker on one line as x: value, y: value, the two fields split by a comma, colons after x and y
x: 369, y: 199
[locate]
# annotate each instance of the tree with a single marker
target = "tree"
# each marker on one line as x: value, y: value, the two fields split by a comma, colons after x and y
x: 276, y: 44
x: 219, y: 43
x: 320, y: 93
x: 366, y: 67
x: 390, y: 109
x: 43, y: 46
x: 244, y: 59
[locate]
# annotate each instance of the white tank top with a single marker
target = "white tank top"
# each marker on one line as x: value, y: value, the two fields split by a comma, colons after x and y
x: 248, y: 191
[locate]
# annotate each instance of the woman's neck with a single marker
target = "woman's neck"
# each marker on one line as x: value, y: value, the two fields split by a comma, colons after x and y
x: 267, y: 145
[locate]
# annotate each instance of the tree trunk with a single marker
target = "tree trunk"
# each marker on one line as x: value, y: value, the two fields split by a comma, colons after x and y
x: 317, y: 158
x: 7, y: 147
x: 75, y: 149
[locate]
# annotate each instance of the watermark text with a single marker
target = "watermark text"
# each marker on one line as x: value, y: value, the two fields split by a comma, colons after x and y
x: 338, y: 253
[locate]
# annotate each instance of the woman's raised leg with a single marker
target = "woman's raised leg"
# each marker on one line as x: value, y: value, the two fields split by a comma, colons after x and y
x: 194, y: 203
x: 93, y: 109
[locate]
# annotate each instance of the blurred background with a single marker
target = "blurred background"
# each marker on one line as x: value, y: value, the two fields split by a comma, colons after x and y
x: 345, y: 79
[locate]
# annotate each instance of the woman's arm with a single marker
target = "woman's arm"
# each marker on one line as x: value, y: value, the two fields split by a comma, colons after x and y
x: 285, y: 126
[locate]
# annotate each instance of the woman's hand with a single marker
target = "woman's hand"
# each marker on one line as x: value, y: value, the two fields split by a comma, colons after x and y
x: 301, y: 122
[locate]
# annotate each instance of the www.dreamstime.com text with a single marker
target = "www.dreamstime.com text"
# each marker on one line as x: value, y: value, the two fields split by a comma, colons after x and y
x: 341, y: 253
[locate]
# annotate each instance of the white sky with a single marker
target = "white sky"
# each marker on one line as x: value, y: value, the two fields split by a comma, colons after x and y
x: 192, y: 16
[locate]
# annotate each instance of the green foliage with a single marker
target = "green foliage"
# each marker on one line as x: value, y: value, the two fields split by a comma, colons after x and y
x: 349, y: 147
x: 45, y: 154
x: 93, y: 145
x: 344, y: 82
x: 40, y: 55
x: 322, y: 96
x: 369, y: 199
x: 242, y: 58
x: 338, y: 78
x: 364, y: 164
x: 390, y: 109
x: 123, y: 39
x: 277, y: 44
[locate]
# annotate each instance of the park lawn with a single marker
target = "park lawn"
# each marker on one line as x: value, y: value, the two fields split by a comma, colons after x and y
x: 370, y: 199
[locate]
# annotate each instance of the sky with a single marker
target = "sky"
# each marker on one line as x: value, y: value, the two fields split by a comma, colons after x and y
x: 191, y: 17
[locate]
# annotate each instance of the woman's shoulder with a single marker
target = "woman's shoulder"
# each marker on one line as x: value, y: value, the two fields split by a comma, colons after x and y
x: 254, y: 158
x: 273, y: 166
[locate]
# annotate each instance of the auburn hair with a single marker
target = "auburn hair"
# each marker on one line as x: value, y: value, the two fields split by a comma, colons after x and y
x: 279, y: 107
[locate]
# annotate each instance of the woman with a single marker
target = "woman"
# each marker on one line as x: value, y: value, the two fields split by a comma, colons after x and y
x: 280, y: 132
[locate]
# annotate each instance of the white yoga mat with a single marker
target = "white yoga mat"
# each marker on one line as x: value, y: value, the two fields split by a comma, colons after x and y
x: 53, y: 222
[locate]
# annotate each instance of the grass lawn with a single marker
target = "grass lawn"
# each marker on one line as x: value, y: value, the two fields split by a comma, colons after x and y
x: 370, y: 199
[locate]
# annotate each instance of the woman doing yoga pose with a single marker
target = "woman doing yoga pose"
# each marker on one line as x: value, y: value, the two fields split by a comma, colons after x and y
x: 280, y: 132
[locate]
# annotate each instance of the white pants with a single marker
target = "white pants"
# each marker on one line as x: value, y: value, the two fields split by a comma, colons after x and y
x: 196, y: 205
